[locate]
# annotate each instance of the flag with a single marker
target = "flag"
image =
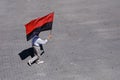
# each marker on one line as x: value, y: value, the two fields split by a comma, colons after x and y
x: 35, y: 26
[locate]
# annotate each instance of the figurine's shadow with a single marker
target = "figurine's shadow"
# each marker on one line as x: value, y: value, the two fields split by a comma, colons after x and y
x: 27, y: 52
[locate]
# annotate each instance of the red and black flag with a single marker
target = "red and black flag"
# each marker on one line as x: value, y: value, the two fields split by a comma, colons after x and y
x: 35, y: 26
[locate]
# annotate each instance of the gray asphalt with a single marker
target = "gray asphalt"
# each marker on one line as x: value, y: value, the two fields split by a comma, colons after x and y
x: 85, y: 43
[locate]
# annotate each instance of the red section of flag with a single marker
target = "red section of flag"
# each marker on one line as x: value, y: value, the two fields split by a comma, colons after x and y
x: 39, y: 22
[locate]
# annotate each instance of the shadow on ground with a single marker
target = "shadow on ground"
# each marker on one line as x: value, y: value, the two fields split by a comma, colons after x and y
x: 27, y: 52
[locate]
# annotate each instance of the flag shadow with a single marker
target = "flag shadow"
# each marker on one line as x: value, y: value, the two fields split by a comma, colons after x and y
x: 27, y: 52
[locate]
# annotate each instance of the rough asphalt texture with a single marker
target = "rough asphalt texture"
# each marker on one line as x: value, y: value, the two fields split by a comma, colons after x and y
x: 85, y: 43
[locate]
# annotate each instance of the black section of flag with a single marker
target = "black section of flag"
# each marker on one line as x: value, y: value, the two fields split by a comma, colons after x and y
x: 47, y: 26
